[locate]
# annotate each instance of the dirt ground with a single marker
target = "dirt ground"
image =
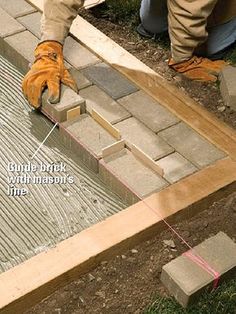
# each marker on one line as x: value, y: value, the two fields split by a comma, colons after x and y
x: 129, y: 283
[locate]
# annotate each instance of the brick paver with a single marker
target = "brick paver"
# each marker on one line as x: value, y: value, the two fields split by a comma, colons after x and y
x: 19, y: 49
x: 186, y: 280
x: 8, y: 25
x: 129, y: 169
x: 147, y: 110
x: 176, y: 167
x: 104, y: 104
x: 228, y: 86
x: 111, y: 81
x: 16, y: 8
x: 69, y: 100
x: 32, y: 22
x: 192, y: 145
x: 77, y: 55
x: 138, y: 134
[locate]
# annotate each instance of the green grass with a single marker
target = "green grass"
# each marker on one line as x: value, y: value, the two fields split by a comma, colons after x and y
x: 220, y: 301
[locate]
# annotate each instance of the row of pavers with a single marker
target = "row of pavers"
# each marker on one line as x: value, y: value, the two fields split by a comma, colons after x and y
x: 169, y: 142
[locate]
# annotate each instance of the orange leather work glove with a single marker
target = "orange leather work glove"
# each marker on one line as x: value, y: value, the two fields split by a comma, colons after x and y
x: 199, y: 69
x: 49, y: 71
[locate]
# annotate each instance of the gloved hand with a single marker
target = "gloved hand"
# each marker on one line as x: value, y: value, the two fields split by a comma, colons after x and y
x: 199, y: 69
x: 49, y: 71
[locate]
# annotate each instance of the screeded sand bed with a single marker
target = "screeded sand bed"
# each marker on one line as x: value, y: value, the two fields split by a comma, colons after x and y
x: 49, y: 213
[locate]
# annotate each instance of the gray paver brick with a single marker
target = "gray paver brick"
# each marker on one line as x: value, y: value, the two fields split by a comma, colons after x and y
x: 103, y: 104
x: 81, y: 80
x: 228, y: 86
x: 147, y: 110
x: 16, y: 8
x: 32, y: 22
x: 91, y: 134
x: 138, y: 134
x: 69, y: 100
x: 176, y: 167
x: 111, y: 81
x: 8, y: 25
x: 77, y: 55
x: 192, y: 145
x: 19, y: 49
x: 186, y: 280
x: 127, y: 168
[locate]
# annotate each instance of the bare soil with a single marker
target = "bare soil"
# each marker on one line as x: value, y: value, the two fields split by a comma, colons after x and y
x: 129, y: 283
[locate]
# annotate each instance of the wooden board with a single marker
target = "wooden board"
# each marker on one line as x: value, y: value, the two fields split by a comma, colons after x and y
x: 145, y: 159
x: 88, y: 4
x: 112, y: 149
x: 106, y: 125
x: 73, y: 113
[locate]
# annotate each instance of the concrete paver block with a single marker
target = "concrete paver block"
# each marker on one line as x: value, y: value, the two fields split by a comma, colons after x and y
x: 74, y: 144
x: 176, y: 167
x: 77, y: 55
x: 32, y: 22
x: 80, y: 79
x: 228, y: 86
x: 69, y: 100
x: 16, y: 8
x: 91, y: 134
x: 124, y: 167
x: 8, y: 25
x: 19, y: 49
x: 138, y: 134
x: 111, y: 81
x: 106, y: 106
x: 148, y: 111
x: 192, y: 145
x: 186, y: 280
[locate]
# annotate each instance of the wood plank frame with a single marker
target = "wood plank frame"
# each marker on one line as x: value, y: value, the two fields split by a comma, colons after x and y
x: 26, y: 284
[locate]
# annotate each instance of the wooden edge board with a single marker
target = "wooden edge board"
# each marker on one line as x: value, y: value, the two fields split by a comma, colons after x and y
x: 146, y: 160
x: 113, y: 148
x: 26, y: 284
x: 204, y: 122
x: 106, y: 125
x: 73, y: 113
x: 88, y: 4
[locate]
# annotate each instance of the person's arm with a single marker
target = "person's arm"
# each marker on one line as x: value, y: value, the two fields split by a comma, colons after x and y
x: 187, y: 26
x: 57, y: 18
x: 48, y: 70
